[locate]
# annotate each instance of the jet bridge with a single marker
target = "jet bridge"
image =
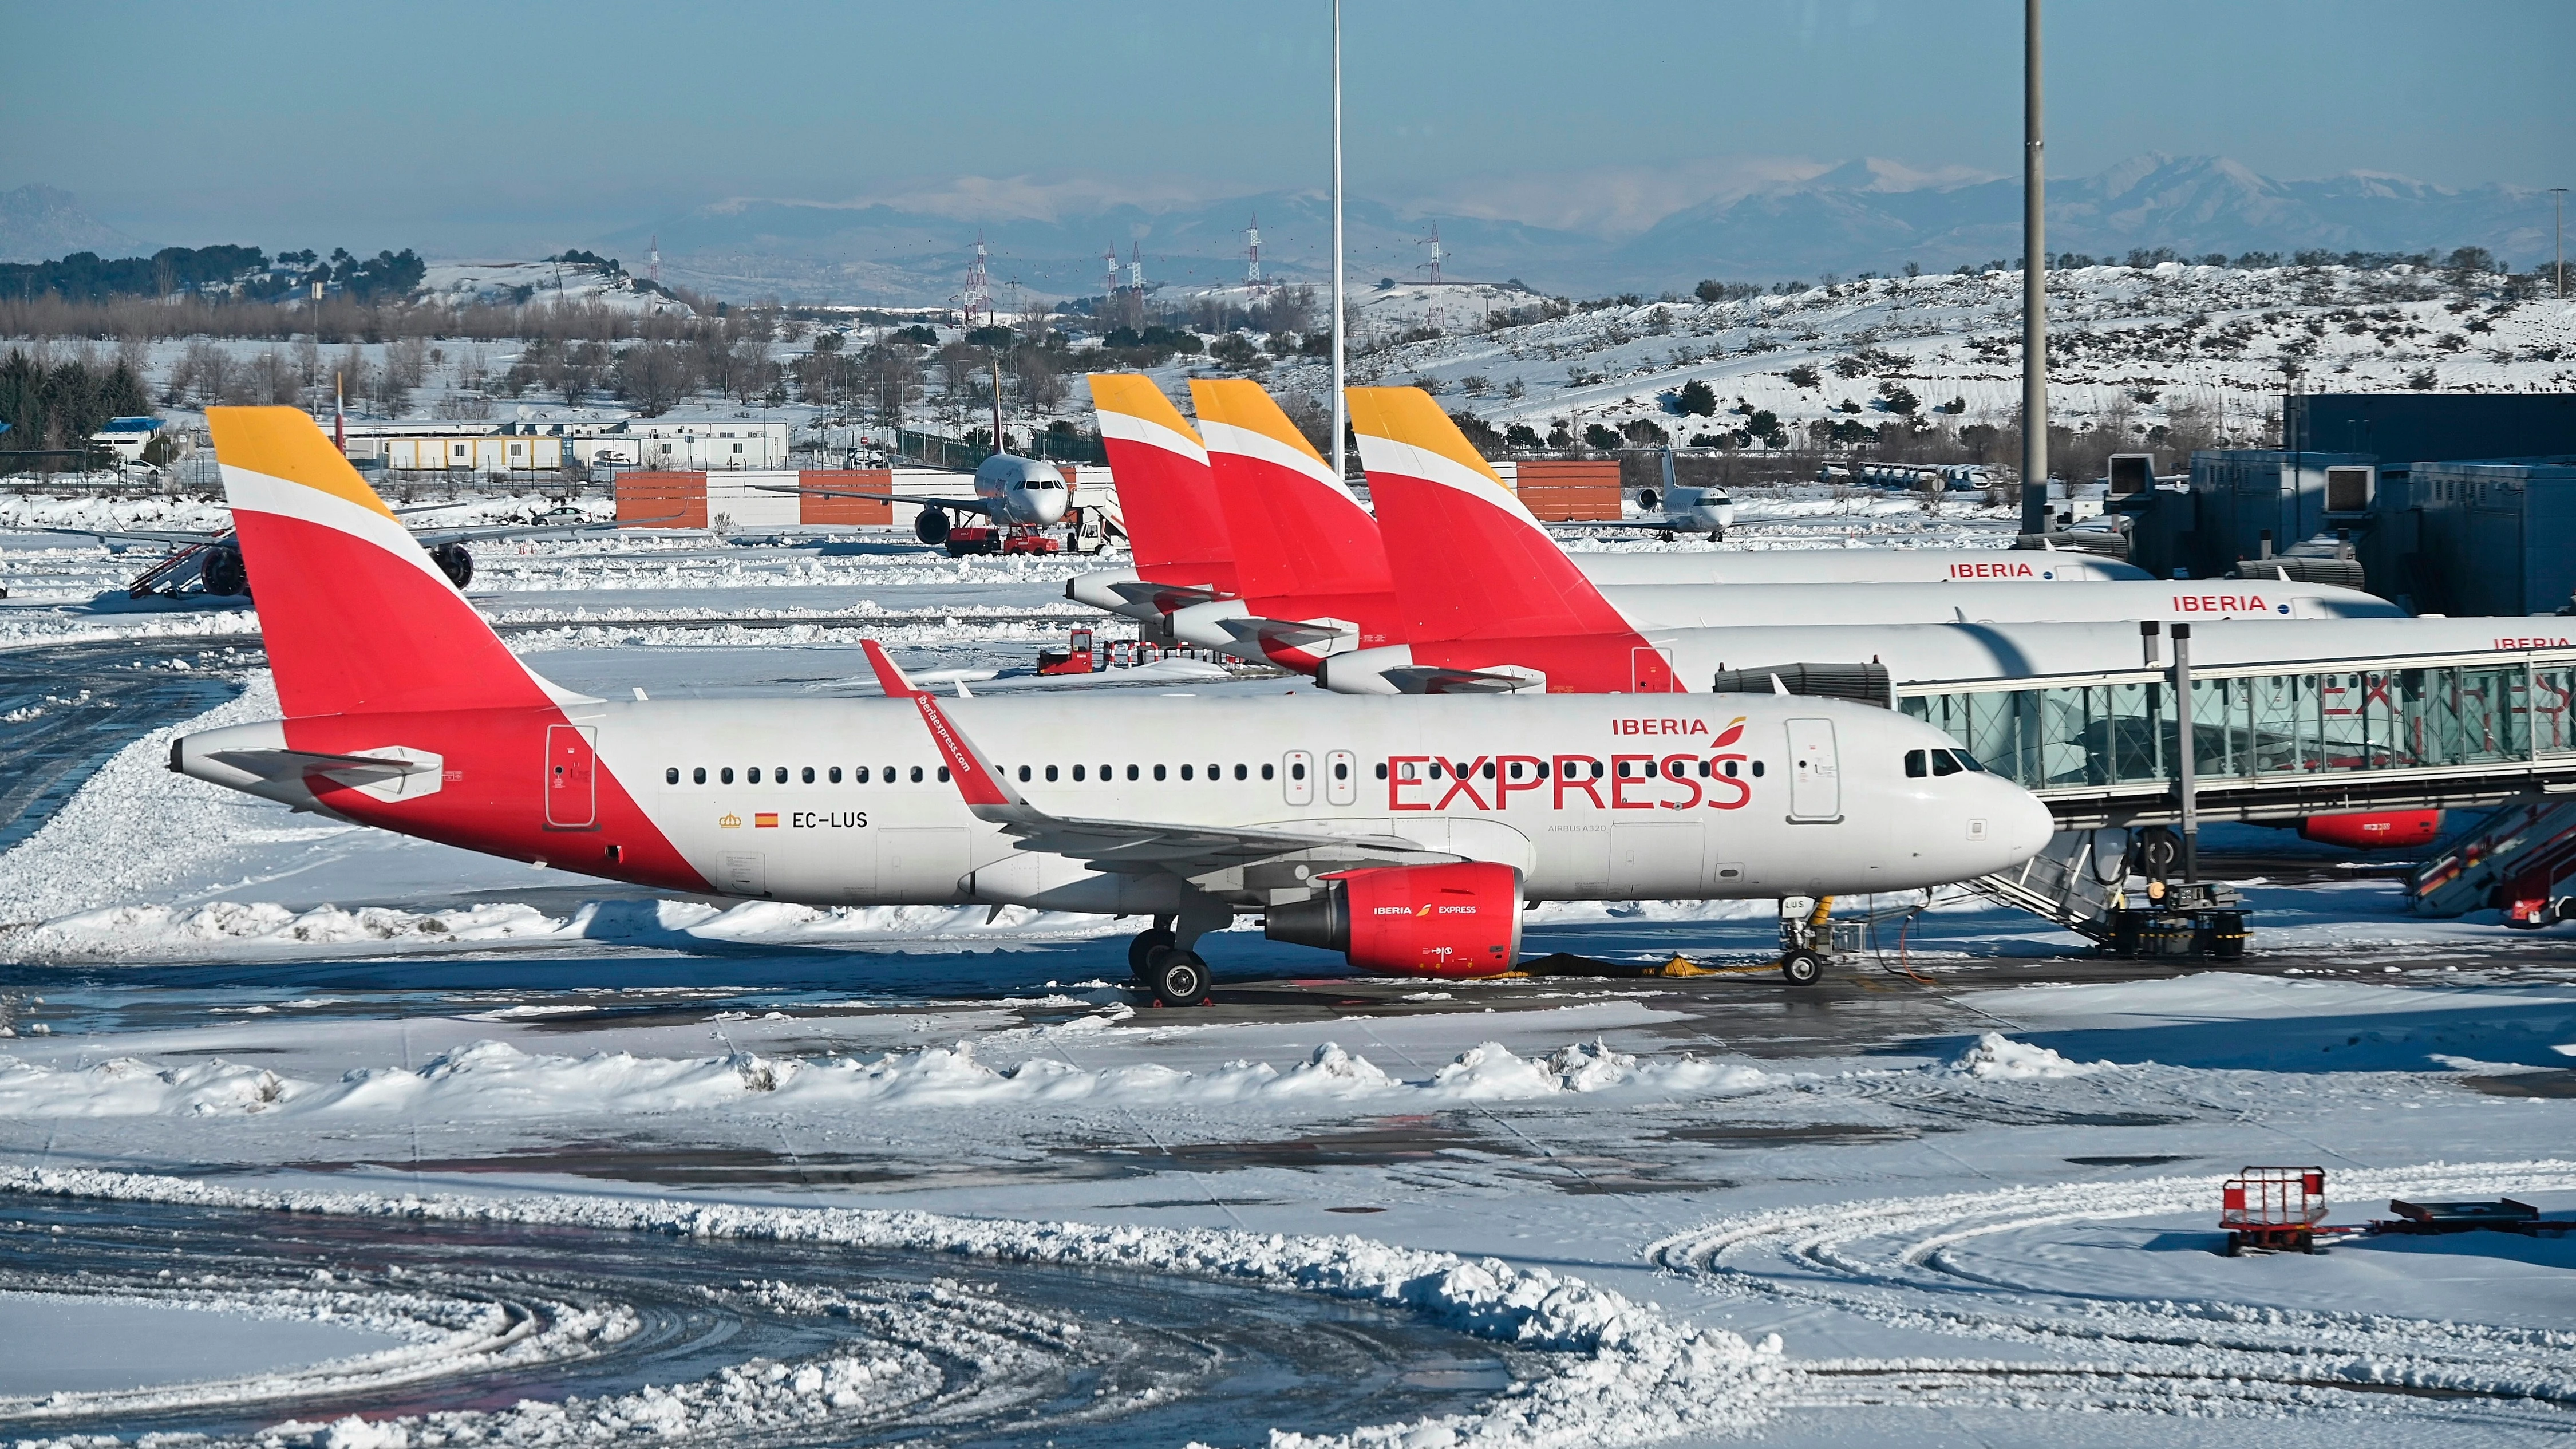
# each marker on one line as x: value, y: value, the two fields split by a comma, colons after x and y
x: 2107, y: 753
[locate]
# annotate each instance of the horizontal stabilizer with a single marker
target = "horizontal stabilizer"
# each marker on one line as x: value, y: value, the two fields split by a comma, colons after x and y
x: 1434, y: 679
x: 284, y: 764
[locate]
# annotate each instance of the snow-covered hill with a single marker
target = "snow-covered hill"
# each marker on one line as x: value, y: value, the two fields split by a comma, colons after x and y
x: 2136, y: 348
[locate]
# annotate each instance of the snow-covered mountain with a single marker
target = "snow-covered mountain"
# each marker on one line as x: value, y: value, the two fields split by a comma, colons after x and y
x: 41, y: 223
x: 1865, y: 215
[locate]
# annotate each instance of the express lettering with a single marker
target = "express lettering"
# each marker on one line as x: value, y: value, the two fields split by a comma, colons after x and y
x: 1685, y: 780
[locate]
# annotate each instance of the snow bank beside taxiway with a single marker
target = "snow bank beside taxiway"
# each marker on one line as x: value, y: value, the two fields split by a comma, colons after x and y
x: 1621, y: 1372
x: 494, y: 1080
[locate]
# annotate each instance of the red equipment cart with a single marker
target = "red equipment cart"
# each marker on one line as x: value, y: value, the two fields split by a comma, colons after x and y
x: 2273, y: 1209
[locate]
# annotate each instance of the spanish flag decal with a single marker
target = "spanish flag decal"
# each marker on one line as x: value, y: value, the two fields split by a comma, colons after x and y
x: 764, y: 820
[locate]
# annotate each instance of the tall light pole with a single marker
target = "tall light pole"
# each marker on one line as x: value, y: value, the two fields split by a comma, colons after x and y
x: 2558, y: 237
x: 1339, y: 402
x: 2034, y: 287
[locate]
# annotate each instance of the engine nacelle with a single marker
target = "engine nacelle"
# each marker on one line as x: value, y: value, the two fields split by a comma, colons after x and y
x: 2376, y: 830
x: 1412, y: 920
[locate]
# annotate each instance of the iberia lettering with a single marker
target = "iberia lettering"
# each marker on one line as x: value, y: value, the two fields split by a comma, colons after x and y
x: 2532, y: 643
x: 1990, y: 571
x: 2220, y: 604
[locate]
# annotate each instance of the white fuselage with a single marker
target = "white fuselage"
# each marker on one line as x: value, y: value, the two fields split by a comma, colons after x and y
x: 1806, y: 797
x: 1025, y: 492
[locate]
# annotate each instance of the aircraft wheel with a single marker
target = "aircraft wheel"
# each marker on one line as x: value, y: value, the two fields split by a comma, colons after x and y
x: 454, y: 561
x: 1141, y: 948
x: 222, y: 573
x: 1178, y: 977
x: 1802, y: 967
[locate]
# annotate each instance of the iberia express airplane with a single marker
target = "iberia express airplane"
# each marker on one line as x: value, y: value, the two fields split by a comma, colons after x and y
x: 1405, y: 833
x: 1280, y: 561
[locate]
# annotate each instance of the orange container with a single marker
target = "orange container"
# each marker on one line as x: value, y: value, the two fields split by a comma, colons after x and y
x: 845, y: 512
x: 661, y: 500
x: 1569, y: 490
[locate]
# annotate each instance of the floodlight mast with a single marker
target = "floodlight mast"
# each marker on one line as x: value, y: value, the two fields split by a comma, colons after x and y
x: 2034, y: 286
x: 1339, y: 426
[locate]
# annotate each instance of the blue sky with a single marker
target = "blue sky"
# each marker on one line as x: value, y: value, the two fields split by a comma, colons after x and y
x: 485, y: 127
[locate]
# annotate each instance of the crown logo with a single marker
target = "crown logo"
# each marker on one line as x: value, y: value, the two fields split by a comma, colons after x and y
x: 729, y: 822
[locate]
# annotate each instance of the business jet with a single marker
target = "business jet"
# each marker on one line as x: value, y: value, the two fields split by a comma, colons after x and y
x: 1406, y: 834
x: 1318, y: 565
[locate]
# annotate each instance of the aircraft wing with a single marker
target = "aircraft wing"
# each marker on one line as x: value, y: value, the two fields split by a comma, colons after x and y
x: 1127, y: 846
x: 962, y: 505
x: 1682, y: 525
x: 467, y: 533
x: 145, y: 534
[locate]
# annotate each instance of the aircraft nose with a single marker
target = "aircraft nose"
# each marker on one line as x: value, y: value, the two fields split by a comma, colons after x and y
x: 2023, y: 826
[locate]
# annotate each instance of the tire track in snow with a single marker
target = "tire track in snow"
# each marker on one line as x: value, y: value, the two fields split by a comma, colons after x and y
x: 1897, y: 1261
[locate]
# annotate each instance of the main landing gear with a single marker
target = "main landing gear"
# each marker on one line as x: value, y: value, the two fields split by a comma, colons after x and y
x: 1177, y: 977
x: 1811, y: 939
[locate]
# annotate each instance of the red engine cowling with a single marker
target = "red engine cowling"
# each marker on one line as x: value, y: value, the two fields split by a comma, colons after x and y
x: 1412, y: 920
x: 2378, y: 830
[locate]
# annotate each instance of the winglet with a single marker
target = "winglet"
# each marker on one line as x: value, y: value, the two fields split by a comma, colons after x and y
x: 978, y: 782
x: 890, y: 675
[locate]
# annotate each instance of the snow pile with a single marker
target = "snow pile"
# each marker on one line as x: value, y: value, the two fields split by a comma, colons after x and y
x: 495, y: 1080
x: 1995, y: 1056
x: 121, y: 929
x: 85, y: 857
x: 1616, y: 1371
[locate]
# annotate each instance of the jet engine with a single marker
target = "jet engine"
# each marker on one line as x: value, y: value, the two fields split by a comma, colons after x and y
x: 2377, y: 830
x: 1412, y: 920
x: 222, y: 573
x: 455, y: 562
x: 931, y: 526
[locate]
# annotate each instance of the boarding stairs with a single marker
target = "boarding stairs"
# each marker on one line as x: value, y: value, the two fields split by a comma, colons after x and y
x: 2065, y: 882
x: 2512, y: 861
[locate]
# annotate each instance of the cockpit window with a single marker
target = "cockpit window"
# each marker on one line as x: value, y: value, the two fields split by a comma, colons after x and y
x: 1922, y: 763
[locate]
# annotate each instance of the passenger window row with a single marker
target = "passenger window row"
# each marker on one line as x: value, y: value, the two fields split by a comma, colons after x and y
x: 894, y: 774
x: 1674, y: 769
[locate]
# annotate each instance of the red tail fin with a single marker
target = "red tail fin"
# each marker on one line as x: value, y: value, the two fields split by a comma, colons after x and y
x: 1297, y: 531
x: 357, y: 618
x: 1467, y: 560
x: 1175, y: 525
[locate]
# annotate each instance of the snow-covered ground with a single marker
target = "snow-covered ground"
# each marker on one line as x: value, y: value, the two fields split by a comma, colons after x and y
x: 1967, y: 1192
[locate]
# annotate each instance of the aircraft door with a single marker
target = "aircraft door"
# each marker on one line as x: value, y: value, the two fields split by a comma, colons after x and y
x: 1815, y: 771
x: 1298, y: 768
x: 572, y: 787
x: 1650, y: 671
x: 1341, y: 777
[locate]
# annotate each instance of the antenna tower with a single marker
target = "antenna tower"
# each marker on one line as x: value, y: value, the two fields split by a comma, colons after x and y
x: 1252, y: 282
x: 1136, y: 267
x: 978, y: 294
x: 1433, y: 241
x: 1108, y: 272
x: 653, y: 259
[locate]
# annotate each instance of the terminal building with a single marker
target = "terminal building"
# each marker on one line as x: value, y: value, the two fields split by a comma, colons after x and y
x: 2460, y: 504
